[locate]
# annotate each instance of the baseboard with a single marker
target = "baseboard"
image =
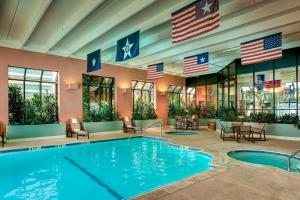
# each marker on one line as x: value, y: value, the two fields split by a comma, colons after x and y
x: 283, y: 137
x: 36, y: 138
x: 105, y: 132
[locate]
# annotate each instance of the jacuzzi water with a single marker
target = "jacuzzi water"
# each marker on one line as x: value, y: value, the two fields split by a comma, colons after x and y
x: 275, y: 159
x: 181, y: 132
x: 114, y: 169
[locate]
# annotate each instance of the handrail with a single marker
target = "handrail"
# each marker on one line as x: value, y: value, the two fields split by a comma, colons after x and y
x: 290, y: 157
x: 161, y: 127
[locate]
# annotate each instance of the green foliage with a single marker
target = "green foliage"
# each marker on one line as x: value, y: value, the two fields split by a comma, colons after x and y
x: 16, y: 108
x: 103, y: 112
x: 288, y: 119
x: 262, y: 117
x: 40, y: 109
x: 143, y: 110
x: 174, y: 109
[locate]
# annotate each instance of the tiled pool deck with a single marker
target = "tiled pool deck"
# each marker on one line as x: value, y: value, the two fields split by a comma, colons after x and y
x: 232, y: 180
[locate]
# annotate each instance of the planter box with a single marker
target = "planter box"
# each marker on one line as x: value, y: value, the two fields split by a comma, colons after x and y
x: 33, y: 131
x: 204, y: 121
x: 146, y: 123
x: 274, y: 129
x: 95, y: 127
x: 171, y: 122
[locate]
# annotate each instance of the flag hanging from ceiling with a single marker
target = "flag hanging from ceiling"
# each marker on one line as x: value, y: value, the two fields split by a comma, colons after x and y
x: 128, y: 47
x: 94, y: 61
x: 195, y: 19
x: 195, y: 64
x: 262, y: 49
x: 155, y: 71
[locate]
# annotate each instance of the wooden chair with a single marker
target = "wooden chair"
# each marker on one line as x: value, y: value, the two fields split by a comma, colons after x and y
x: 227, y: 132
x: 76, y: 129
x: 129, y: 127
x: 260, y: 130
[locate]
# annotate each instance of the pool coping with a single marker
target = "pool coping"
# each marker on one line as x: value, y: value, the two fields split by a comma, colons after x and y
x: 261, y: 165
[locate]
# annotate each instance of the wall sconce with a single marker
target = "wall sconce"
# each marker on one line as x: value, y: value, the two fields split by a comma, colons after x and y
x: 72, y: 86
x: 163, y: 93
x: 124, y: 90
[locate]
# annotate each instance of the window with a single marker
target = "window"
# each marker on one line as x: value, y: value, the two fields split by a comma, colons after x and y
x: 245, y: 89
x: 175, y: 95
x: 285, y: 91
x: 212, y: 93
x: 263, y: 91
x: 143, y: 90
x: 33, y: 81
x: 201, y: 97
x: 32, y: 96
x: 98, y: 98
x: 190, y: 97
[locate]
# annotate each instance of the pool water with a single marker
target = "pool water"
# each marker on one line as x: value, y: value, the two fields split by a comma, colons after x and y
x: 113, y: 169
x: 275, y: 159
x: 181, y: 133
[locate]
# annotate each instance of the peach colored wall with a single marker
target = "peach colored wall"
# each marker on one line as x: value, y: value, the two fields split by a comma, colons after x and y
x: 70, y: 71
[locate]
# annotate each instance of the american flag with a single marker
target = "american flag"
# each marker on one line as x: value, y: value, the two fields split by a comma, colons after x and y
x: 263, y: 49
x: 155, y: 71
x: 195, y: 64
x: 195, y: 19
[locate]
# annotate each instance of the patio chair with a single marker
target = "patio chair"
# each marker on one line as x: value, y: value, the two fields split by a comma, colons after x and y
x: 178, y: 123
x: 193, y: 123
x: 129, y: 127
x: 260, y: 130
x: 245, y: 130
x: 227, y: 132
x: 76, y: 129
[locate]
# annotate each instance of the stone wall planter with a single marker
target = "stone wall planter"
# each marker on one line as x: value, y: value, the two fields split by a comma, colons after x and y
x: 33, y: 131
x: 171, y: 122
x: 106, y: 126
x: 146, y: 123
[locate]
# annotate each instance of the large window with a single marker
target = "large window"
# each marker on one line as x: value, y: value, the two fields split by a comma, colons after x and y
x: 142, y: 90
x: 285, y: 91
x: 98, y: 98
x: 33, y: 81
x: 263, y: 91
x: 175, y: 95
x: 32, y: 96
x: 245, y: 89
x: 190, y: 97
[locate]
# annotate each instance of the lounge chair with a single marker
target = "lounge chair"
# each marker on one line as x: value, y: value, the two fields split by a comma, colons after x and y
x: 260, y: 130
x: 76, y: 129
x: 129, y: 127
x: 227, y: 132
x: 2, y: 135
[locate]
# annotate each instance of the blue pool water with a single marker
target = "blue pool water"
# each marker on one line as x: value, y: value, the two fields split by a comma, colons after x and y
x: 114, y: 169
x: 275, y: 159
x: 181, y: 132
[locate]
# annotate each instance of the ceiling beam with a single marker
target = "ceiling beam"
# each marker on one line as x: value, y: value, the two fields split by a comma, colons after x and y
x: 36, y: 22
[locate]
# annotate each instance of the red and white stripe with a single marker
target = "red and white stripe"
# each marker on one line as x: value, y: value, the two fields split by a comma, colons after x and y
x: 153, y: 74
x: 190, y: 66
x: 253, y: 52
x: 185, y: 24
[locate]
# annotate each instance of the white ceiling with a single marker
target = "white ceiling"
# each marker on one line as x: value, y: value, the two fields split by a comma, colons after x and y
x: 74, y: 28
